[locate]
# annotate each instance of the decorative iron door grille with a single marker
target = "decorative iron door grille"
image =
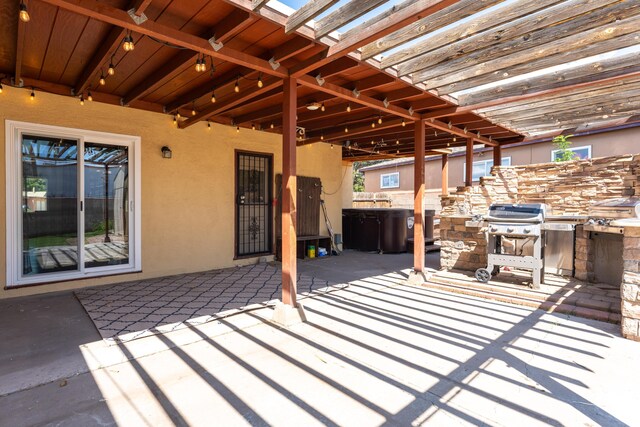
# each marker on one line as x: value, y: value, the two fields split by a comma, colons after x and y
x: 253, y: 204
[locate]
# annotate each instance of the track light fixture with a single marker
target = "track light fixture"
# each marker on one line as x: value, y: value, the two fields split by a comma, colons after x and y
x: 24, y: 14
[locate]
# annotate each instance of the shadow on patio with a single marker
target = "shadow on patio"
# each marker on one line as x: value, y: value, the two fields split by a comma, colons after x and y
x: 390, y: 355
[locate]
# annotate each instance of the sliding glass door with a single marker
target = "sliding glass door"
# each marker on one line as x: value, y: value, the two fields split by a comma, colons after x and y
x: 70, y: 205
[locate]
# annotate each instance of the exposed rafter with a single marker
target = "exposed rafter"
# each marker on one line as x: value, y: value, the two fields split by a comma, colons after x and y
x: 114, y: 16
x: 307, y: 12
x: 140, y: 6
x: 345, y: 14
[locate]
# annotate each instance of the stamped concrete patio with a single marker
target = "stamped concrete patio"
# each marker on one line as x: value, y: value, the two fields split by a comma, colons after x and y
x: 377, y: 352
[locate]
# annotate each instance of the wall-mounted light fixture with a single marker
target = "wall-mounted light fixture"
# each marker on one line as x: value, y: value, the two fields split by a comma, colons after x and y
x: 166, y: 152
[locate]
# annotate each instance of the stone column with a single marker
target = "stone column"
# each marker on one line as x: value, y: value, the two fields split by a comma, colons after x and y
x: 630, y: 288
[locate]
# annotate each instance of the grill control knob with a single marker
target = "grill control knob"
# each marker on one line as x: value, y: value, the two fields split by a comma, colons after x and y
x: 527, y: 230
x: 510, y: 230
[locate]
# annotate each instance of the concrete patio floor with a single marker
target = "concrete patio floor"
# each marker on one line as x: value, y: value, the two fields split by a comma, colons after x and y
x: 378, y: 352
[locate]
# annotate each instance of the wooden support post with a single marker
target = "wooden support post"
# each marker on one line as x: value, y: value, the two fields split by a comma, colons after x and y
x: 497, y: 155
x: 468, y: 172
x: 418, y: 201
x: 289, y: 193
x: 445, y: 174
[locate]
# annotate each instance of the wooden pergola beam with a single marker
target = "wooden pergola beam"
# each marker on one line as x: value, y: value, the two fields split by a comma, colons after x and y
x: 352, y: 96
x: 256, y: 5
x: 233, y: 100
x: 19, y: 51
x: 118, y: 17
x: 547, y: 31
x: 557, y: 95
x: 421, y: 27
x: 307, y: 12
x: 507, y: 14
x: 343, y: 15
x: 371, y: 30
x: 353, y: 130
x: 454, y: 130
x: 588, y: 74
x: 140, y: 6
x: 231, y: 25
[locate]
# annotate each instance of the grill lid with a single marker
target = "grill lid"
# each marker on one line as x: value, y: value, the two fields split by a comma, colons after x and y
x: 530, y: 212
x: 621, y: 207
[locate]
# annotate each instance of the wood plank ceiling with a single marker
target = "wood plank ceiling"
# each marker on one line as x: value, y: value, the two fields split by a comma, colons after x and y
x: 439, y: 60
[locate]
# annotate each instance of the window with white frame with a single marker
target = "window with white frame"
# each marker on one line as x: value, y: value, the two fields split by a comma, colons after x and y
x: 580, y: 153
x: 72, y: 203
x: 390, y: 180
x: 483, y: 168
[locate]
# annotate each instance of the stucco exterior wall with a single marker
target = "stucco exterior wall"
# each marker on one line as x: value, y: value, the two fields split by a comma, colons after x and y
x: 187, y: 201
x: 602, y: 145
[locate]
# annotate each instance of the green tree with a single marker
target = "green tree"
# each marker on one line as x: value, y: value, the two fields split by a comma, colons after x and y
x: 36, y: 183
x: 358, y: 176
x: 564, y: 153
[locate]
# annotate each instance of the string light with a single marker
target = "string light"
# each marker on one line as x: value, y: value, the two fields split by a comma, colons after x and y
x: 33, y: 94
x: 397, y: 142
x: 346, y: 129
x: 24, y: 14
x: 175, y: 120
x: 193, y: 112
x: 0, y: 87
x: 321, y: 137
x: 102, y: 80
x: 272, y: 125
x: 208, y: 125
x: 454, y: 139
x: 127, y: 43
x: 403, y: 123
x: 201, y: 65
x: 373, y: 124
x: 237, y: 129
x: 379, y: 120
x: 348, y: 108
x: 178, y: 114
x: 332, y: 146
x: 213, y: 96
x: 112, y: 69
x: 322, y: 107
x: 236, y: 88
x: 373, y: 142
x: 253, y: 126
x: 81, y: 100
x: 89, y: 97
x: 260, y: 84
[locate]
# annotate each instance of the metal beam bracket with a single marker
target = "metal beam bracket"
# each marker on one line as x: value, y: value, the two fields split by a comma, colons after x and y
x: 411, y: 110
x: 137, y: 19
x: 215, y: 44
x: 356, y: 93
x: 319, y: 79
x: 274, y: 64
x: 386, y: 102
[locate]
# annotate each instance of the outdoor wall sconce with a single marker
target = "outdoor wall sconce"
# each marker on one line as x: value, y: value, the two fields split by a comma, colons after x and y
x: 166, y: 152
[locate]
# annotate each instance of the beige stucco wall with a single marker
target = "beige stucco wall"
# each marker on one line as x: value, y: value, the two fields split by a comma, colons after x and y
x: 626, y: 141
x: 188, y: 201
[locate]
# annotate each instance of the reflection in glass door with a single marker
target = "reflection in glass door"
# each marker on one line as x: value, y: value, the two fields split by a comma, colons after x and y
x: 106, y: 200
x: 49, y: 192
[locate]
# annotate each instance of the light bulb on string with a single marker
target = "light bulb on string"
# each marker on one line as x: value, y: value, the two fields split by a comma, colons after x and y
x: 260, y: 83
x: 81, y: 100
x: 236, y: 88
x: 127, y: 43
x: 373, y: 124
x: 175, y: 120
x: 102, y: 80
x: 178, y: 114
x: 404, y: 123
x: 321, y: 137
x: 24, y: 14
x: 253, y: 126
x: 346, y: 129
x: 89, y: 96
x: 33, y: 94
x: 379, y: 120
x: 208, y: 125
x: 193, y: 112
x: 322, y: 107
x: 272, y: 125
x: 112, y: 69
x: 237, y: 129
x: 0, y: 87
x: 348, y: 108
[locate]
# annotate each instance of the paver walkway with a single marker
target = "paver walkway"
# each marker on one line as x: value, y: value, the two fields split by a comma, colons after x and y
x: 132, y: 310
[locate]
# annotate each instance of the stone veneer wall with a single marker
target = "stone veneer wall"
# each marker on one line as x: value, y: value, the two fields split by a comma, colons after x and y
x: 567, y: 187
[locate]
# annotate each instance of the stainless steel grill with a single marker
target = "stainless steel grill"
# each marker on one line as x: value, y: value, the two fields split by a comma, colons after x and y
x: 510, y: 227
x: 612, y: 215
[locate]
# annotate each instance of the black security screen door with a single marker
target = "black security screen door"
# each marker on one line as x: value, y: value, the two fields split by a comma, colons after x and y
x: 253, y: 204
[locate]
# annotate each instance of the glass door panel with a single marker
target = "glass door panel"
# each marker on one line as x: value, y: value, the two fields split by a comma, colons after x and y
x: 49, y: 192
x: 106, y: 205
